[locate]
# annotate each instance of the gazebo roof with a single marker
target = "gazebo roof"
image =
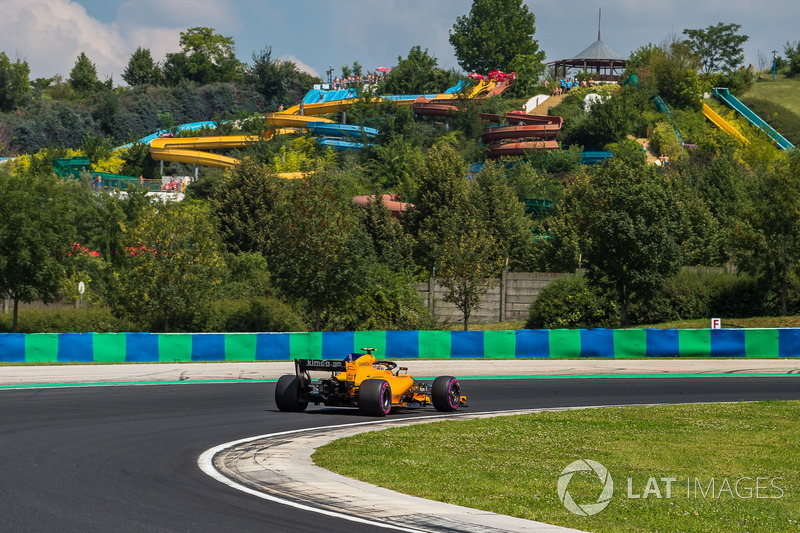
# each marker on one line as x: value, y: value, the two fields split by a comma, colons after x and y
x: 597, y: 51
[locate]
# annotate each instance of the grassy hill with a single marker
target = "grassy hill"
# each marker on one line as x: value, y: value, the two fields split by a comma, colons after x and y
x: 778, y: 103
x: 782, y: 91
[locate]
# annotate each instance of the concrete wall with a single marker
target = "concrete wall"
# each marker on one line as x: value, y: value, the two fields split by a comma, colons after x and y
x: 508, y: 299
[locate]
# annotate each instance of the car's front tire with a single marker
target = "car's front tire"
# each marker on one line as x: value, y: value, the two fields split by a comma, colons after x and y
x: 287, y: 394
x: 375, y: 397
x: 446, y: 394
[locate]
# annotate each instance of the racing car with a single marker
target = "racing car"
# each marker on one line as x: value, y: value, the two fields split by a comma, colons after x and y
x: 360, y: 380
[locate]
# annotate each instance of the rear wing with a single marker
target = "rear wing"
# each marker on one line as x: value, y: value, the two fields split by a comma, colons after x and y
x: 324, y: 365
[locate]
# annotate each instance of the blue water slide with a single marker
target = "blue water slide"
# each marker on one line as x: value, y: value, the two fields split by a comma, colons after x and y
x: 725, y: 95
x: 405, y: 97
x: 329, y: 129
x: 191, y: 126
x: 340, y: 144
x: 456, y: 88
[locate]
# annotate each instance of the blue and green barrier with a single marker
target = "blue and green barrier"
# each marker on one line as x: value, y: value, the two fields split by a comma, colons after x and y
x: 524, y: 344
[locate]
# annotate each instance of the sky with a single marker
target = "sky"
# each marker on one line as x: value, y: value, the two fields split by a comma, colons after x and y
x: 320, y: 34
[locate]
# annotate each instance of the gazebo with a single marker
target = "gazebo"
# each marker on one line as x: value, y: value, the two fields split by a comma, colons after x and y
x: 598, y: 58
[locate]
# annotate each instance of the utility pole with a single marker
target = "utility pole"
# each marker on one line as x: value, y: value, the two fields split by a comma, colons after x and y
x: 774, y: 63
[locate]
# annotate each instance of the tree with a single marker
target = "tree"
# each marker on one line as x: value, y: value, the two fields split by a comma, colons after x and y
x: 393, y: 246
x: 173, y: 265
x: 468, y: 262
x: 769, y: 241
x: 718, y: 47
x: 442, y: 194
x: 669, y: 70
x: 245, y: 204
x: 493, y: 34
x: 792, y: 52
x: 14, y: 83
x: 502, y: 214
x: 627, y: 218
x: 323, y: 256
x: 418, y: 73
x: 35, y: 235
x: 278, y: 82
x: 83, y: 76
x: 529, y: 69
x: 206, y: 57
x: 141, y: 69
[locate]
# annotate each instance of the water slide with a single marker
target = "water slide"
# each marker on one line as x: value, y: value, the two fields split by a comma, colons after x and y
x: 723, y: 124
x: 192, y: 149
x: 538, y: 131
x: 302, y: 117
x: 520, y: 148
x: 725, y: 95
x: 664, y: 108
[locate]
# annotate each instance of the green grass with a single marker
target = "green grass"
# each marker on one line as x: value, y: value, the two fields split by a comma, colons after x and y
x: 783, y: 91
x: 511, y: 465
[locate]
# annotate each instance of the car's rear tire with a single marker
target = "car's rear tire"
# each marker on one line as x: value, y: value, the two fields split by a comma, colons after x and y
x: 446, y: 394
x: 287, y: 394
x: 375, y: 397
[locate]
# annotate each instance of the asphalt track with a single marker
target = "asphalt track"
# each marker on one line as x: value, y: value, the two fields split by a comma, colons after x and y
x: 124, y: 459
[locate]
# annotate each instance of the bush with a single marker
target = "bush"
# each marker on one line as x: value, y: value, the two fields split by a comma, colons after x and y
x: 249, y: 315
x: 389, y: 303
x: 65, y: 320
x: 569, y: 302
x: 664, y: 141
x: 690, y: 295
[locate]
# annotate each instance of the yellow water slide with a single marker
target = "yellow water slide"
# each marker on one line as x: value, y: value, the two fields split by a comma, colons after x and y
x: 722, y: 124
x: 286, y: 119
x: 190, y: 150
x: 483, y: 87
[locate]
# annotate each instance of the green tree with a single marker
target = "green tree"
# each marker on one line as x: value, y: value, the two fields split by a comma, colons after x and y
x: 792, y: 52
x: 278, y: 82
x: 628, y: 220
x: 14, y: 83
x: 245, y: 204
x: 720, y: 48
x: 442, y: 194
x: 323, y: 255
x: 141, y: 69
x: 493, y: 34
x: 468, y: 263
x: 35, y: 235
x: 206, y: 57
x: 83, y: 76
x: 670, y: 70
x: 496, y: 205
x: 769, y: 241
x: 418, y: 73
x: 393, y: 246
x: 173, y: 266
x: 529, y: 69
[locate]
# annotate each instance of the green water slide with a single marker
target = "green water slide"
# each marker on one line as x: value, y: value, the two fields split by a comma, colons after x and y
x: 661, y: 105
x: 73, y: 167
x: 725, y: 95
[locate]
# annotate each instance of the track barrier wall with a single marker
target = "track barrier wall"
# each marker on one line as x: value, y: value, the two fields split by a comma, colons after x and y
x: 523, y: 344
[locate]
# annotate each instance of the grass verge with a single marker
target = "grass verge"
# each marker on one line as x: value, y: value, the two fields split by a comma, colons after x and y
x: 511, y: 465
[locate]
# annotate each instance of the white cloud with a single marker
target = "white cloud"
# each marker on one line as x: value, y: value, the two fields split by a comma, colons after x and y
x: 301, y: 66
x: 50, y: 34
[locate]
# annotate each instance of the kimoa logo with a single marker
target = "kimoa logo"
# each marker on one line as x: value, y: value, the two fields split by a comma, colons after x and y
x: 585, y: 509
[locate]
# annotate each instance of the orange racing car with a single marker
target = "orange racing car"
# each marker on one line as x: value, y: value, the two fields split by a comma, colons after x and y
x: 360, y: 380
